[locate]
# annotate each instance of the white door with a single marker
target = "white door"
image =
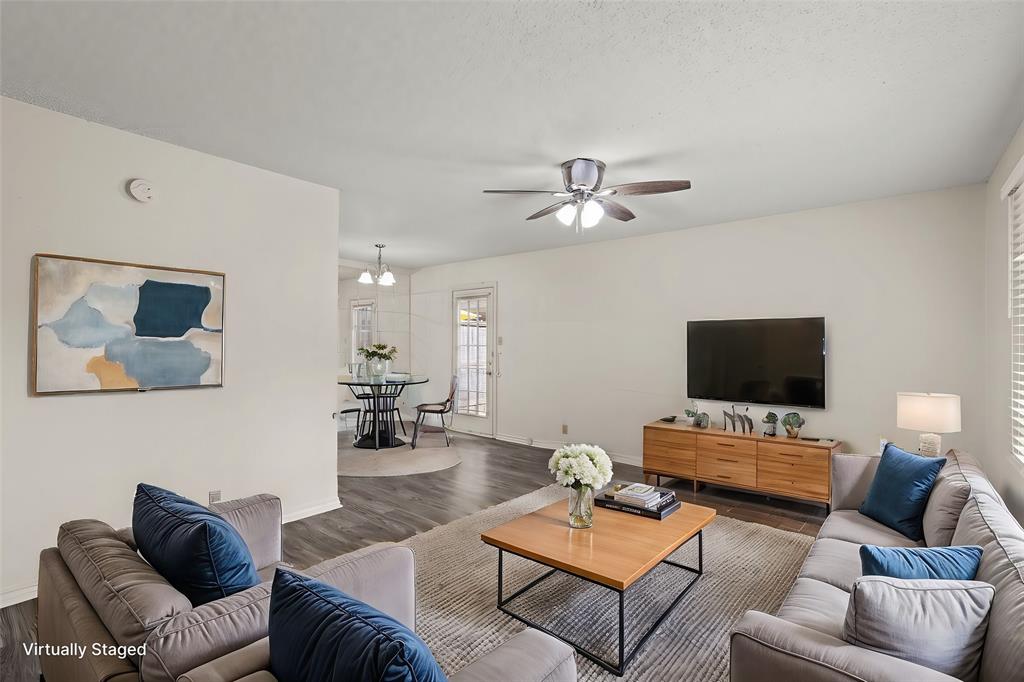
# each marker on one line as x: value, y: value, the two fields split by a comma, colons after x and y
x: 473, y: 332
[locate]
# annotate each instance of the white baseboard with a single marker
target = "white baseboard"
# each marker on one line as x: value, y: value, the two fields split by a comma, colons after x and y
x: 11, y: 597
x: 313, y: 510
x: 518, y: 440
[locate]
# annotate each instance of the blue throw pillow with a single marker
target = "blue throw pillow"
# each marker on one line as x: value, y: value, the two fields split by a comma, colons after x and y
x: 900, y: 490
x: 197, y: 551
x: 318, y: 632
x: 921, y: 563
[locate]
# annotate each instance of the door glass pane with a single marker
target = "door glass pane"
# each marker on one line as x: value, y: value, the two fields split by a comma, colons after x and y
x: 362, y: 327
x: 471, y: 355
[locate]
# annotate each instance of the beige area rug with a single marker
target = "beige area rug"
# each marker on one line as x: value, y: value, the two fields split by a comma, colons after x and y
x: 746, y: 566
x: 400, y: 461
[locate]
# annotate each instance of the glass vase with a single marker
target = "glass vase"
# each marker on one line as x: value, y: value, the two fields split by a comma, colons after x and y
x: 379, y: 367
x: 581, y: 506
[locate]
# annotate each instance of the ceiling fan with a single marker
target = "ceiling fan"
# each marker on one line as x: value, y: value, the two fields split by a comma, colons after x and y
x: 584, y: 202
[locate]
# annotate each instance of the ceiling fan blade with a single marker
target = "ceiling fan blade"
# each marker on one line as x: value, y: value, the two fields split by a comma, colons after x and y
x: 547, y: 211
x: 614, y: 209
x: 652, y: 187
x: 552, y: 193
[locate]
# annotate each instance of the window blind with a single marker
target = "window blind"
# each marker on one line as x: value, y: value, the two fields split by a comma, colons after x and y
x: 1016, y: 229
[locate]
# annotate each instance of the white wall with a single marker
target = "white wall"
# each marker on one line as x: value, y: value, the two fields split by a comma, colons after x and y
x: 392, y: 316
x: 392, y: 327
x: 1006, y: 472
x: 267, y: 430
x: 594, y: 335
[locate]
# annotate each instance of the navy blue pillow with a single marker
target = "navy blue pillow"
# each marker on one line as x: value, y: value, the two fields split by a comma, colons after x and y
x: 197, y: 551
x: 900, y: 490
x: 318, y: 632
x: 921, y: 563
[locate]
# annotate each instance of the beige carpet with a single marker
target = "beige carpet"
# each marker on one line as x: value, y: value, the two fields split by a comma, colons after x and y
x: 400, y: 461
x: 746, y: 566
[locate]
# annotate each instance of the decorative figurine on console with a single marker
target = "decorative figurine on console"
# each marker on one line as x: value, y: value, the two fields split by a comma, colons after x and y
x: 770, y: 420
x: 793, y: 421
x: 691, y: 415
x: 747, y: 422
x: 729, y: 418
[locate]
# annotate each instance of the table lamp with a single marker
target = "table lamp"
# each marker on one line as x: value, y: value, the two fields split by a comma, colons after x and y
x: 931, y: 413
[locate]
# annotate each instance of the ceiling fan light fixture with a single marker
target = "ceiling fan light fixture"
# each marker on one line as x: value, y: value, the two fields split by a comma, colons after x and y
x: 365, y: 278
x: 386, y: 279
x: 591, y: 213
x: 567, y: 214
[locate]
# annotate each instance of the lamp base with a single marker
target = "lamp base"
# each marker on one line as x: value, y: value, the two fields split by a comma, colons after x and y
x: 930, y: 444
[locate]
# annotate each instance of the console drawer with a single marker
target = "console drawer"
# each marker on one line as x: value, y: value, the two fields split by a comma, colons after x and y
x: 793, y: 470
x: 725, y: 445
x: 727, y: 467
x: 674, y: 460
x: 671, y: 437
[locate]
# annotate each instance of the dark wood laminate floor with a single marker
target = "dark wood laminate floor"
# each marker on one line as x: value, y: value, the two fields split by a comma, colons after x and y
x: 396, y: 508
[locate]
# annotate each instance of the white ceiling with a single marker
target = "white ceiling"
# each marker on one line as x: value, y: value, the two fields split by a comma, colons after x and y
x: 412, y: 108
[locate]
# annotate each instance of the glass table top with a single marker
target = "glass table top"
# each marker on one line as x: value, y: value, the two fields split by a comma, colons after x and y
x: 386, y: 380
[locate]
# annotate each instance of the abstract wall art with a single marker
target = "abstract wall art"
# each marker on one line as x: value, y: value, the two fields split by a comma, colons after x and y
x: 106, y: 326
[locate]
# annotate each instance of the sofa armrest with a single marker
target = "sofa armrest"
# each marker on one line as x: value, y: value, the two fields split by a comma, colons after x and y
x: 234, y: 666
x: 382, y: 575
x: 258, y: 520
x: 66, y: 617
x: 533, y: 655
x: 851, y: 478
x: 208, y: 631
x: 764, y: 647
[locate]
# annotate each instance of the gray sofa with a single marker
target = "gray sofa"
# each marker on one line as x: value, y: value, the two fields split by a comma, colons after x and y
x: 804, y: 639
x: 95, y: 588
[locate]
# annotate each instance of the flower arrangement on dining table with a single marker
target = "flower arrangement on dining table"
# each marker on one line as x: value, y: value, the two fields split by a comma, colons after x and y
x: 378, y: 357
x: 582, y: 468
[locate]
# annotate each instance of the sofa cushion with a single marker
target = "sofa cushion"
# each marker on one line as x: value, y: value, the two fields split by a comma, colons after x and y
x: 836, y: 562
x: 318, y: 632
x: 949, y: 495
x: 986, y: 522
x: 921, y: 563
x: 940, y: 624
x: 852, y: 526
x: 198, y: 552
x: 900, y: 489
x: 816, y: 605
x: 129, y: 595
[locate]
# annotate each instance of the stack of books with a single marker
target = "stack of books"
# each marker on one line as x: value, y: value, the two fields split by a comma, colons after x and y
x: 640, y: 499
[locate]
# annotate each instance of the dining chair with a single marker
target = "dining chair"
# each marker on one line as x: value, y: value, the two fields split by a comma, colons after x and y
x: 440, y: 409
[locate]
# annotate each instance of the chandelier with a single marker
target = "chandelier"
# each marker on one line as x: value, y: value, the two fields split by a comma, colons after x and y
x: 382, y: 274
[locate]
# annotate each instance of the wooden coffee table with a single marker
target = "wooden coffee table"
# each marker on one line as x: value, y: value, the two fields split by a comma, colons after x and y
x: 617, y: 551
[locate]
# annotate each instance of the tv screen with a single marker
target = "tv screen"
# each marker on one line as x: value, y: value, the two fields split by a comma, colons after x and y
x: 769, y: 362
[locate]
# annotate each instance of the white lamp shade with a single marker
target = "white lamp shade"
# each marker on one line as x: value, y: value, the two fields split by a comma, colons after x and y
x: 929, y: 412
x: 386, y: 279
x: 365, y: 278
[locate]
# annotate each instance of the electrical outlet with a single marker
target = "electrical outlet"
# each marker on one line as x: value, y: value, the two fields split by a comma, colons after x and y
x: 214, y: 496
x: 565, y: 429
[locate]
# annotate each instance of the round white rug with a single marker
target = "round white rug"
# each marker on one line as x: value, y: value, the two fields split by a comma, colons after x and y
x: 400, y: 461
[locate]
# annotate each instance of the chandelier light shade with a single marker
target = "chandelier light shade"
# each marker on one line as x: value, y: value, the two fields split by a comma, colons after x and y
x: 382, y: 275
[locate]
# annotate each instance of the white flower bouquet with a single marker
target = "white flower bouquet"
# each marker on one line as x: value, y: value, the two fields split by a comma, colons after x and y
x: 581, y: 465
x: 581, y: 468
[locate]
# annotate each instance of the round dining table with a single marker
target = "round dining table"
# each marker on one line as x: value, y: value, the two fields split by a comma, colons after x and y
x: 379, y: 395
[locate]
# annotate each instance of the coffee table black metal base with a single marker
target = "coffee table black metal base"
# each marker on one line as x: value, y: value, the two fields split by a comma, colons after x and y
x: 624, y: 658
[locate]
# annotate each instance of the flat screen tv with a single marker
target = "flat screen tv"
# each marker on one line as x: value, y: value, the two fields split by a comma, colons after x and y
x: 768, y: 362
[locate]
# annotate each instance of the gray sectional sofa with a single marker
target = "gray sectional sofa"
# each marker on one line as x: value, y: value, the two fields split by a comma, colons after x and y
x: 804, y: 640
x: 95, y: 588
